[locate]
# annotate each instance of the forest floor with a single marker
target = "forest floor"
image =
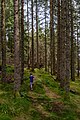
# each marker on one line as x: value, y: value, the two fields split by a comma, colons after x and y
x: 45, y: 102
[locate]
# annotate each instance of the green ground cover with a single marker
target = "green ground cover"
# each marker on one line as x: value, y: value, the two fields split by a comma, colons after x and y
x: 45, y: 102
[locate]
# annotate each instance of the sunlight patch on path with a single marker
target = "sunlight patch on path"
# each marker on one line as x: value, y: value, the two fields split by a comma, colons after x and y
x: 22, y: 117
x: 2, y: 92
x: 51, y: 94
x: 2, y: 101
x: 33, y: 95
x: 41, y: 110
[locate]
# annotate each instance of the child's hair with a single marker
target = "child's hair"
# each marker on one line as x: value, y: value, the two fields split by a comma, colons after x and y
x: 30, y: 73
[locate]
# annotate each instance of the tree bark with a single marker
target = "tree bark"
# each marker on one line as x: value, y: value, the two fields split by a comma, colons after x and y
x: 78, y: 64
x: 22, y: 40
x: 67, y: 81
x: 45, y: 39
x: 58, y: 42
x: 3, y: 40
x: 63, y: 36
x: 17, y: 76
x: 72, y: 46
x: 32, y: 37
x: 28, y: 39
x: 53, y: 51
x: 37, y: 33
x: 51, y: 35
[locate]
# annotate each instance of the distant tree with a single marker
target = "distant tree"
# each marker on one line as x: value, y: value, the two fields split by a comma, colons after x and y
x: 78, y: 35
x: 9, y: 26
x: 28, y: 39
x: 78, y: 63
x: 37, y: 33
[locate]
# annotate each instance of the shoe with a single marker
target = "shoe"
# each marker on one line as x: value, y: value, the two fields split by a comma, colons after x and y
x: 31, y: 88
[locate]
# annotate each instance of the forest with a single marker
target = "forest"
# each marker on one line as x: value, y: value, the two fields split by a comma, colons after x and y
x: 39, y: 59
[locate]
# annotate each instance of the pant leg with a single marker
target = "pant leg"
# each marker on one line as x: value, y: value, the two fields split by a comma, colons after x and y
x: 31, y: 85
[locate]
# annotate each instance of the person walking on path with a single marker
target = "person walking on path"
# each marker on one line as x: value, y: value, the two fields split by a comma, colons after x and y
x: 31, y: 81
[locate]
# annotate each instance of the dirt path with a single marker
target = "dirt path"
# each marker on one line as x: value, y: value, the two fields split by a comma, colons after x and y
x: 50, y: 94
x: 38, y: 106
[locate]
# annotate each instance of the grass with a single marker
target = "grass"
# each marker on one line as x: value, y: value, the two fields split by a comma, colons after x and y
x: 45, y: 102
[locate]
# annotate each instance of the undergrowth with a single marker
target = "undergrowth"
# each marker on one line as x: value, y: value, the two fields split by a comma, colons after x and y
x: 37, y: 104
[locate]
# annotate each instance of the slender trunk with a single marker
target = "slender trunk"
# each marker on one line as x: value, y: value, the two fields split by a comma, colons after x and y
x: 32, y: 37
x: 45, y: 39
x: 22, y: 40
x: 58, y: 42
x: 51, y: 34
x: 0, y: 34
x: 28, y: 50
x: 37, y: 33
x: 72, y: 46
x: 3, y: 40
x: 67, y: 81
x: 78, y: 68
x: 53, y: 51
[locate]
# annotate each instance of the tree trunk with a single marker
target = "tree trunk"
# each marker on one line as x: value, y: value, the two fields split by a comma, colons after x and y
x: 72, y: 46
x: 45, y: 39
x: 78, y: 66
x: 3, y: 40
x: 67, y: 81
x: 51, y: 34
x: 63, y: 36
x: 32, y: 37
x: 17, y: 76
x: 53, y: 51
x: 28, y: 50
x: 37, y: 33
x: 58, y: 43
x: 22, y: 40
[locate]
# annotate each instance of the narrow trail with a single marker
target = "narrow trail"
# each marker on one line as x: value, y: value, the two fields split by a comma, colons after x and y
x: 37, y: 105
x: 51, y: 94
x: 41, y: 110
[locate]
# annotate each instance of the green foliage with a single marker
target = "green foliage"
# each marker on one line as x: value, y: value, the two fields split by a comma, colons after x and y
x: 14, y: 107
x: 4, y: 108
x: 35, y: 115
x: 9, y: 69
x: 6, y: 87
x: 39, y: 88
x: 21, y: 105
x: 43, y: 98
x: 69, y: 114
x: 4, y: 117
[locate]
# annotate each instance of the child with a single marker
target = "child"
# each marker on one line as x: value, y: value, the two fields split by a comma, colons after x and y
x: 31, y: 81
